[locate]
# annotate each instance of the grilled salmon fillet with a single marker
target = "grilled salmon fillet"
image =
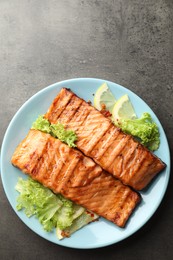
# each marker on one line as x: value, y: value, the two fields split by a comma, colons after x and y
x: 67, y: 171
x: 116, y: 152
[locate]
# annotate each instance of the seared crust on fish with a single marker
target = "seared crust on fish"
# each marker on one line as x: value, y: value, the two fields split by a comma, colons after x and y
x: 67, y: 171
x: 116, y: 152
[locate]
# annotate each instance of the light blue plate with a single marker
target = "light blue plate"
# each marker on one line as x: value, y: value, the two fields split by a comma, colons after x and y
x: 97, y: 234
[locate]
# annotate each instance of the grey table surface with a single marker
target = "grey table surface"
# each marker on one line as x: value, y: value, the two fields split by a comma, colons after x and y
x: 127, y: 42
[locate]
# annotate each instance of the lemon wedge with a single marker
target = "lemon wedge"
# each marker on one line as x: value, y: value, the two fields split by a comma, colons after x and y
x: 123, y: 109
x: 104, y: 96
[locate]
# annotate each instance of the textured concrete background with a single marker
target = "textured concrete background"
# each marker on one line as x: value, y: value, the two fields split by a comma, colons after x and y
x: 128, y: 42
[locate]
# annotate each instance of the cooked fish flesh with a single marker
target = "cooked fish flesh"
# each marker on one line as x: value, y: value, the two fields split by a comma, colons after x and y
x: 116, y: 152
x: 67, y: 171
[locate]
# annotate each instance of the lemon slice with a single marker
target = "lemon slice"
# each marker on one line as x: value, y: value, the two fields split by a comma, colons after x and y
x: 123, y: 109
x: 104, y: 96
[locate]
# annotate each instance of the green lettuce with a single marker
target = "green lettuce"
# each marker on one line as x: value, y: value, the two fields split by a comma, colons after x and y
x: 42, y: 124
x: 52, y: 210
x: 56, y: 130
x: 144, y: 129
x: 37, y: 200
x: 67, y: 136
x: 80, y: 221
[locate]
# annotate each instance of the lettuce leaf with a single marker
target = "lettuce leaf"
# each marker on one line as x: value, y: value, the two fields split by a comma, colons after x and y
x: 52, y: 210
x: 66, y: 136
x: 56, y: 130
x: 83, y: 219
x: 38, y: 200
x: 42, y: 124
x: 144, y: 129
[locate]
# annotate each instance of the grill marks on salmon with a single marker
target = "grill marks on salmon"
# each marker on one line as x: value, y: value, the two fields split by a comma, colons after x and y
x: 67, y: 171
x: 115, y: 151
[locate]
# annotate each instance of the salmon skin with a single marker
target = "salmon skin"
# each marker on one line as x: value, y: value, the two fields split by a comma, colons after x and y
x: 116, y: 152
x: 67, y: 171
